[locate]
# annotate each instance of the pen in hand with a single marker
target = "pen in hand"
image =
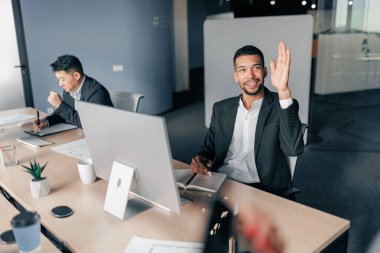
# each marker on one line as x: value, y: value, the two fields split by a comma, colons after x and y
x: 207, y: 172
x: 206, y: 163
x: 38, y: 118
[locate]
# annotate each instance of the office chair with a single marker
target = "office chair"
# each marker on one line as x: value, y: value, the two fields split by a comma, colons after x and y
x: 291, y: 192
x: 126, y: 100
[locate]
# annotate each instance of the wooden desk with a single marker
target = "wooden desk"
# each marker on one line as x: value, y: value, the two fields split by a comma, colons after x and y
x: 90, y: 229
x: 7, y: 212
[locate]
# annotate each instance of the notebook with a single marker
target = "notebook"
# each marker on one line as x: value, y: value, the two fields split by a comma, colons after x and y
x: 189, y: 180
x: 34, y: 141
x: 61, y: 127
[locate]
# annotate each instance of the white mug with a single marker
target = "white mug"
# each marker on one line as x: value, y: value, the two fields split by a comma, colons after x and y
x: 86, y: 171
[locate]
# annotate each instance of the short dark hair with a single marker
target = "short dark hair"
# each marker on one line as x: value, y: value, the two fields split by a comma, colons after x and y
x: 67, y: 63
x: 249, y: 50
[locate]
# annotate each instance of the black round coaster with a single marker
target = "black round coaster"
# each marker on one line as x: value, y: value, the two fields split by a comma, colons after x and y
x: 7, y: 237
x: 62, y: 211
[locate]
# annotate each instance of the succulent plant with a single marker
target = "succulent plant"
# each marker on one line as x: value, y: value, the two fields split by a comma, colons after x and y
x: 35, y: 170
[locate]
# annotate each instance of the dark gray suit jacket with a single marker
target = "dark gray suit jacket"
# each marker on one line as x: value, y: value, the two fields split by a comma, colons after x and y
x: 92, y: 91
x: 278, y: 135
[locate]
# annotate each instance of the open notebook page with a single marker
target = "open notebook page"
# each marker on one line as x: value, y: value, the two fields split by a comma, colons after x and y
x: 207, y: 183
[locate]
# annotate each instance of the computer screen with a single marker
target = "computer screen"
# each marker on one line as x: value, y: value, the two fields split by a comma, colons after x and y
x: 138, y: 140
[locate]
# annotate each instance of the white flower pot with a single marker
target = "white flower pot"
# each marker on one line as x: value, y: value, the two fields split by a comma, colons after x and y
x: 39, y: 188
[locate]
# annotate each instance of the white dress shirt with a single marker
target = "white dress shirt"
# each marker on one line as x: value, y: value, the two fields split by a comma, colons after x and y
x: 239, y: 163
x: 76, y: 94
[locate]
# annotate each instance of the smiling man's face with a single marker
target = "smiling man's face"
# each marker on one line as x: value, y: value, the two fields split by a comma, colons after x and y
x: 250, y: 74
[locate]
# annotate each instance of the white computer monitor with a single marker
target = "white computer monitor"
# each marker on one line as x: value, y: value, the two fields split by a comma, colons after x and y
x: 138, y: 140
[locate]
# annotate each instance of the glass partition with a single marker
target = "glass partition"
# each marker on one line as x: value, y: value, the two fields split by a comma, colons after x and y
x: 347, y: 75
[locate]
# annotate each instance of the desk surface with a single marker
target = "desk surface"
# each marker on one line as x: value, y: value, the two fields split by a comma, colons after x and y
x: 90, y: 229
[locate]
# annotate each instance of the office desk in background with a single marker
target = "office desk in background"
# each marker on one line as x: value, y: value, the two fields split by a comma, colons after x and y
x: 90, y: 229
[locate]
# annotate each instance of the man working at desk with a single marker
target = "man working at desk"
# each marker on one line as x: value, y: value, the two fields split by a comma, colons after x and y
x: 76, y: 86
x: 251, y: 135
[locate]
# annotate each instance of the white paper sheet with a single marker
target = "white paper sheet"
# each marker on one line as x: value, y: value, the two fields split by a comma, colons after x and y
x: 77, y: 149
x: 13, y: 119
x: 142, y: 245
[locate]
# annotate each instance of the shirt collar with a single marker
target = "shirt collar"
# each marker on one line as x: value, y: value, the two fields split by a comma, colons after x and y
x: 255, y: 104
x: 76, y: 94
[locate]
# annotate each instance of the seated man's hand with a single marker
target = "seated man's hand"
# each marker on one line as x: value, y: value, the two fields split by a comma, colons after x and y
x: 54, y: 99
x: 200, y: 165
x: 38, y: 127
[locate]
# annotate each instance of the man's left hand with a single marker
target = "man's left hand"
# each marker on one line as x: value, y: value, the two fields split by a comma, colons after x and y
x: 280, y: 71
x: 54, y: 99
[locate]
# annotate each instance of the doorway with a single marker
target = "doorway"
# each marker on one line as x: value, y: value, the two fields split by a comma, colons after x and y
x: 15, y: 88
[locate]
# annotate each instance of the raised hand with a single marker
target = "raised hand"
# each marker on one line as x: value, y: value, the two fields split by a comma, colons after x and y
x: 280, y: 71
x: 54, y: 99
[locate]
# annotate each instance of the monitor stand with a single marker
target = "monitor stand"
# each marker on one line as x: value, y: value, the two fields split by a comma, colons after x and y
x: 119, y: 185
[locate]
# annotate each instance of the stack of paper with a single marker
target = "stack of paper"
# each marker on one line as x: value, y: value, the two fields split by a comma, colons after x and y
x: 13, y: 119
x: 77, y: 149
x: 142, y: 245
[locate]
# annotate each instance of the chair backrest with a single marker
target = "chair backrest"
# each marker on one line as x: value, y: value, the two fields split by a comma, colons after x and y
x: 126, y: 100
x: 293, y: 159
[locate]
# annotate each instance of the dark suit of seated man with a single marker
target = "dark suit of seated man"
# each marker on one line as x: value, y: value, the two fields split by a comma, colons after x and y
x: 76, y: 86
x: 251, y: 135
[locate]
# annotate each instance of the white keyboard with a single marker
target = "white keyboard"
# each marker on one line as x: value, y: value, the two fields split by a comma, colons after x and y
x: 34, y: 141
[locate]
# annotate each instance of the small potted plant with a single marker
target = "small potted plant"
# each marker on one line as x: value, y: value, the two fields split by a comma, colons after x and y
x: 39, y: 185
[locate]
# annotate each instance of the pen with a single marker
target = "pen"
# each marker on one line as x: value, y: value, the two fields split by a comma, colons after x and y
x: 38, y: 118
x: 207, y: 172
x: 205, y: 162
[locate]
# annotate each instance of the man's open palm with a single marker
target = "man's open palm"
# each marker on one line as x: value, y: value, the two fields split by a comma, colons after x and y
x: 280, y: 70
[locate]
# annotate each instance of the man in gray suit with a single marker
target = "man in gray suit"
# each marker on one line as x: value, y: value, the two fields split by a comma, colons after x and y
x: 76, y: 86
x: 251, y: 135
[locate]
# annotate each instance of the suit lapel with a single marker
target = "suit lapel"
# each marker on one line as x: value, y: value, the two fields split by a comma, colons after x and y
x: 263, y: 114
x: 84, y: 89
x: 230, y: 118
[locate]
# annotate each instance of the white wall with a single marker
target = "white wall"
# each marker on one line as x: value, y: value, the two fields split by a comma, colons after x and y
x: 11, y: 87
x: 224, y: 37
x: 135, y: 34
